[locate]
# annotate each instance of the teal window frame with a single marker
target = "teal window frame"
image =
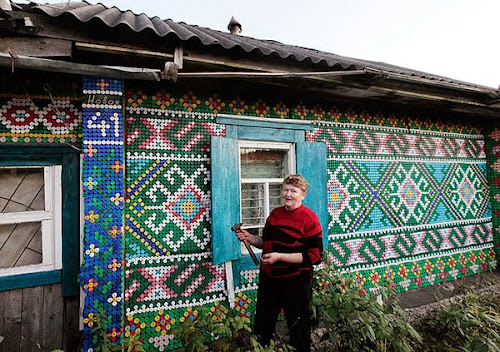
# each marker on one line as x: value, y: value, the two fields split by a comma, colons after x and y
x: 310, y: 160
x: 69, y: 159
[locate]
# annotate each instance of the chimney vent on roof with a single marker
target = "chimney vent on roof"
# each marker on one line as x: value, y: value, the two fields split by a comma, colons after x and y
x: 234, y: 26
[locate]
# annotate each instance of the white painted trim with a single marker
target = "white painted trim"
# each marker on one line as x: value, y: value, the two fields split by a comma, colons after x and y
x: 229, y: 283
x: 48, y: 252
x: 266, y: 200
x: 23, y: 167
x: 57, y: 217
x: 264, y: 144
x: 23, y: 217
x: 26, y: 269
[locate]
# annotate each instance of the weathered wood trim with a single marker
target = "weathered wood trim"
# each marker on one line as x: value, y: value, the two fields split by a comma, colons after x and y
x: 112, y: 49
x: 3, y: 304
x: 39, y: 47
x: 392, y: 91
x: 54, y: 321
x: 71, y: 333
x: 12, y: 324
x: 31, y: 319
x: 33, y: 63
x: 39, y: 319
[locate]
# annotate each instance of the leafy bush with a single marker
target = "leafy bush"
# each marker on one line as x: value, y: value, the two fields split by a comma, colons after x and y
x: 352, y: 320
x: 467, y: 324
x: 221, y: 330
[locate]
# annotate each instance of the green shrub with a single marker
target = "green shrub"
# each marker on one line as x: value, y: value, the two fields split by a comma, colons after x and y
x: 467, y: 324
x: 353, y: 320
x: 224, y: 331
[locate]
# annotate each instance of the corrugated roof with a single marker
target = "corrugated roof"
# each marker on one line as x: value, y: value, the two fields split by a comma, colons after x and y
x: 113, y: 17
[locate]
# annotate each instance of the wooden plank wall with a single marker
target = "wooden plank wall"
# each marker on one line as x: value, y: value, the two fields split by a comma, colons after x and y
x: 38, y: 319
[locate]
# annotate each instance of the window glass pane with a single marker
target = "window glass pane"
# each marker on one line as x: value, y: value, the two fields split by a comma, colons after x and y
x: 20, y: 244
x: 263, y: 163
x: 21, y: 189
x: 252, y: 204
x: 275, y: 198
x: 257, y: 231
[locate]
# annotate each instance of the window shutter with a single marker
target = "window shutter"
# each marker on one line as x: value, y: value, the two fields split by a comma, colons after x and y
x: 225, y: 178
x: 311, y: 164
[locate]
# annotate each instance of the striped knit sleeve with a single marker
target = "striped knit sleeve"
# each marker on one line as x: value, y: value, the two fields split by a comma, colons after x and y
x: 313, y: 241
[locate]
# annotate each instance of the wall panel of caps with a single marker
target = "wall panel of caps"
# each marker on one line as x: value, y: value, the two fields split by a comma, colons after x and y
x: 493, y: 153
x: 408, y: 198
x: 101, y: 275
x: 408, y: 203
x: 407, y: 207
x: 169, y: 269
x: 42, y: 110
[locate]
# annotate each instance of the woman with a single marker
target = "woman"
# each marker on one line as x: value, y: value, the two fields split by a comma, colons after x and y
x: 292, y: 244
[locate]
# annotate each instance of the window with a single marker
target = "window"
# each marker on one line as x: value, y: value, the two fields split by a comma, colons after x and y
x: 247, y: 169
x: 39, y: 217
x: 263, y: 167
x: 30, y: 213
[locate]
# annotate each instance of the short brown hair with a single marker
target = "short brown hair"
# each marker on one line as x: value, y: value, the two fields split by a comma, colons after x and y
x: 297, y: 181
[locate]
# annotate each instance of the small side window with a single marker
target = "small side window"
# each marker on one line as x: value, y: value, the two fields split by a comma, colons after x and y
x: 30, y: 212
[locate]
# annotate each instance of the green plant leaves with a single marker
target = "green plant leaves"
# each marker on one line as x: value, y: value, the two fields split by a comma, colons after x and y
x: 356, y: 321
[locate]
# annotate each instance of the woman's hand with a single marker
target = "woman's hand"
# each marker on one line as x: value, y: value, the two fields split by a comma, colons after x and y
x: 244, y: 235
x: 270, y: 258
x: 273, y: 257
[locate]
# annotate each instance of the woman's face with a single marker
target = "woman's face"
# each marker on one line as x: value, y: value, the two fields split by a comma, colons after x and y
x: 292, y: 196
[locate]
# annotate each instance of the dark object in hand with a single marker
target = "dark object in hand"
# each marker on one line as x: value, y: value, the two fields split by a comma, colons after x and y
x: 237, y: 227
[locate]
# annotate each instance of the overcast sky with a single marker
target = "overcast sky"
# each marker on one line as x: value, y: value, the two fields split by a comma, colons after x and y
x: 459, y: 39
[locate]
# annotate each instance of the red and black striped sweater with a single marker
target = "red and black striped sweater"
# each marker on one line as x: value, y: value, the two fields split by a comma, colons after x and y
x: 295, y: 231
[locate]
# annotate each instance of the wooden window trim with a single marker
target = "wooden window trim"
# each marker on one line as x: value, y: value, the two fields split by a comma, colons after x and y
x: 67, y: 266
x: 50, y: 220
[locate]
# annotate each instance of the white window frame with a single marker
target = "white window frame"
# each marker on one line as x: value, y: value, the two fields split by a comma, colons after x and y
x: 290, y: 148
x: 51, y: 222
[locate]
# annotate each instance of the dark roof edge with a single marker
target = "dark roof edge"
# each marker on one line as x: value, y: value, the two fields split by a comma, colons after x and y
x: 112, y: 17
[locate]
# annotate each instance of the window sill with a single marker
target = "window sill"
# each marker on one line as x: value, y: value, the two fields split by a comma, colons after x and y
x: 29, y: 280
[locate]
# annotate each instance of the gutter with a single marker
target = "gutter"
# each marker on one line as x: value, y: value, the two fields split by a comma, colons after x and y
x: 35, y: 63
